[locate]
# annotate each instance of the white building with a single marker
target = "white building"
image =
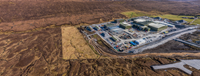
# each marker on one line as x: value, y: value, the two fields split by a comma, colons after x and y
x: 164, y: 23
x: 140, y: 41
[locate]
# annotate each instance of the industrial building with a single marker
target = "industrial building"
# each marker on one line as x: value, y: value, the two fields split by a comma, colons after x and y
x: 157, y: 18
x: 140, y: 41
x: 116, y: 29
x: 164, y: 23
x: 132, y: 19
x: 96, y: 28
x: 132, y: 43
x: 135, y: 32
x: 157, y: 27
x: 145, y: 25
x: 88, y: 28
x: 139, y: 20
x: 181, y: 21
x: 113, y: 39
x: 125, y: 25
x: 149, y: 24
x: 109, y: 25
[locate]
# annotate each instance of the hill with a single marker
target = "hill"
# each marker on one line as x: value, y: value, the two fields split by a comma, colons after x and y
x: 35, y: 14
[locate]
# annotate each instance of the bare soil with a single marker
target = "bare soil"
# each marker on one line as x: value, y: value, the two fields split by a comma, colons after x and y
x: 74, y: 46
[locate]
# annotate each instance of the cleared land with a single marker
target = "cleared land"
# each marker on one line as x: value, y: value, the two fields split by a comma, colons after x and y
x: 75, y: 46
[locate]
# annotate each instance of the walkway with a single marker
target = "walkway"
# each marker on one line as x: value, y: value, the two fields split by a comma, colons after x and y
x: 180, y: 65
x: 189, y: 43
x: 193, y: 21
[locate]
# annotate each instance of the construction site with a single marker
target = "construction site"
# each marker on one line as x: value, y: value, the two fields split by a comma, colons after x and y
x: 134, y: 35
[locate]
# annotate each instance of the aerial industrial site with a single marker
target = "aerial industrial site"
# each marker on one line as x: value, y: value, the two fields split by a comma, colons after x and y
x: 137, y: 34
x: 99, y: 37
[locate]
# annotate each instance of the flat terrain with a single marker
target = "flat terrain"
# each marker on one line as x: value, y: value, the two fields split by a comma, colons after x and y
x: 74, y: 45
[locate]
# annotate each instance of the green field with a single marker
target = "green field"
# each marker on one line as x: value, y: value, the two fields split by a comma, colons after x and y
x: 137, y: 13
x: 174, y: 17
x: 131, y: 14
x: 196, y: 22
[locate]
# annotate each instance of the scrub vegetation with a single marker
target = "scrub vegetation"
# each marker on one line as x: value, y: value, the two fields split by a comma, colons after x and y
x: 74, y: 45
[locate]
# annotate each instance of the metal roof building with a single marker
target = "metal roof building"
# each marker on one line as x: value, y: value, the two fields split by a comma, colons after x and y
x: 116, y: 29
x: 158, y: 18
x: 140, y: 20
x: 109, y: 25
x: 140, y: 41
x: 125, y: 25
x: 181, y: 21
x: 157, y: 27
x: 164, y: 23
x: 133, y: 43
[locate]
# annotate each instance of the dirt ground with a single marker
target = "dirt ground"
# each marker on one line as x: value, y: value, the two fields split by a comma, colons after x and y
x: 74, y: 46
